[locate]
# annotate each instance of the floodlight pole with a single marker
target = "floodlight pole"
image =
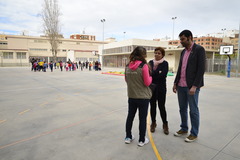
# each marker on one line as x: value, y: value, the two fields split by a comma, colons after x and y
x: 238, y: 51
x: 173, y: 18
x: 102, y: 20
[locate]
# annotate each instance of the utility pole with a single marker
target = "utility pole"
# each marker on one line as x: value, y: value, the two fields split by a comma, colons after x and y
x: 237, y: 68
x: 173, y: 18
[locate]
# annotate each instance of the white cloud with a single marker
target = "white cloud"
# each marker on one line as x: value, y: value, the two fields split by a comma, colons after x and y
x: 138, y: 18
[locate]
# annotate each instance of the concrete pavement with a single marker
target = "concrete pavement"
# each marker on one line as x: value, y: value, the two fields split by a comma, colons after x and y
x: 81, y: 115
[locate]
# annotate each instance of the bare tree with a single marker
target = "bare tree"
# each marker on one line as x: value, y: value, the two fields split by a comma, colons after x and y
x: 51, y: 24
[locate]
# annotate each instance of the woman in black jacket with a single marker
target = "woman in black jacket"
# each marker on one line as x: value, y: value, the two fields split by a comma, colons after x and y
x: 159, y: 74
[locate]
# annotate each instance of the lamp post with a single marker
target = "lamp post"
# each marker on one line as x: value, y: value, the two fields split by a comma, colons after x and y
x: 224, y: 29
x: 1, y: 55
x: 173, y: 18
x: 238, y: 51
x: 102, y: 20
x: 124, y: 35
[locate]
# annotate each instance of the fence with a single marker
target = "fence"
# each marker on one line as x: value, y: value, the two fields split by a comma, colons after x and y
x: 221, y: 65
x: 212, y: 66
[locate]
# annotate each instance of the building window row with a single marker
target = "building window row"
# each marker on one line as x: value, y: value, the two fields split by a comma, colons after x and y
x: 82, y: 59
x: 40, y: 41
x: 118, y: 50
x: 45, y: 50
x: 125, y: 49
x: 57, y: 50
x: 38, y: 49
x: 8, y: 55
x: 3, y: 43
x: 21, y: 55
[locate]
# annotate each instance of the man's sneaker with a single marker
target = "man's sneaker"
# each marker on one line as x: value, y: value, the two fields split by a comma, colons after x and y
x: 129, y: 140
x: 190, y: 138
x: 180, y: 133
x: 140, y: 144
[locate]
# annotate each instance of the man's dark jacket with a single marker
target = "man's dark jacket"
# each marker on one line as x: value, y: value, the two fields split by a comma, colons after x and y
x: 195, y: 67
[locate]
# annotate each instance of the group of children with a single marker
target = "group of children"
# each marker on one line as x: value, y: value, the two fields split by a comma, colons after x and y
x: 38, y: 65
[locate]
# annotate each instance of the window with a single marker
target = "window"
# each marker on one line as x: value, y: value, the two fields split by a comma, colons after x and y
x: 93, y: 59
x: 82, y: 59
x: 40, y: 41
x: 57, y: 50
x: 3, y: 43
x: 84, y: 37
x: 37, y: 49
x: 7, y: 55
x: 21, y: 55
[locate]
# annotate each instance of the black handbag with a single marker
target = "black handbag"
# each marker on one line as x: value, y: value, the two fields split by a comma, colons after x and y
x: 153, y: 86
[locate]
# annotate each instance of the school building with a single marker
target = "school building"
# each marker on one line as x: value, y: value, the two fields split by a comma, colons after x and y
x: 116, y: 54
x: 16, y: 50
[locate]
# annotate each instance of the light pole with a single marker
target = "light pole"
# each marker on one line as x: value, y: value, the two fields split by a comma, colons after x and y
x: 238, y: 51
x: 1, y: 55
x: 224, y: 29
x: 102, y: 20
x: 173, y: 18
x: 124, y: 35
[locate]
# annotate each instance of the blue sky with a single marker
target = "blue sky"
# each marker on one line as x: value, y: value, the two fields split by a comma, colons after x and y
x: 144, y: 19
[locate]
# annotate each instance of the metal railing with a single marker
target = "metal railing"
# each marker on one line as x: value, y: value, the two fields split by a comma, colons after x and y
x: 220, y: 66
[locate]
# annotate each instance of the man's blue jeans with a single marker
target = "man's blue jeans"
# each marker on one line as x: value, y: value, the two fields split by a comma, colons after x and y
x: 184, y: 99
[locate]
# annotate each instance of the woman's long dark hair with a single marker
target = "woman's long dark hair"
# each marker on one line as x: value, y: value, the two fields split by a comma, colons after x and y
x: 139, y: 53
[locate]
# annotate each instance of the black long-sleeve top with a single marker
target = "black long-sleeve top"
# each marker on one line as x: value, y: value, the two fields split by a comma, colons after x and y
x: 159, y: 75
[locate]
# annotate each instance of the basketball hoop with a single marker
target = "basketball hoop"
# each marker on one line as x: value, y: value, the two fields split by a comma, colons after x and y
x: 226, y: 50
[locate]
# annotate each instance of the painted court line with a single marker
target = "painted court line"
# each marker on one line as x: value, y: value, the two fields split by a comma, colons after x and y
x: 2, y: 121
x: 151, y: 139
x: 62, y: 128
x: 150, y: 134
x: 43, y: 104
x: 20, y: 113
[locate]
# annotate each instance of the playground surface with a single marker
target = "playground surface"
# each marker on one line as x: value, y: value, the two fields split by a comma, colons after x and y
x: 81, y: 115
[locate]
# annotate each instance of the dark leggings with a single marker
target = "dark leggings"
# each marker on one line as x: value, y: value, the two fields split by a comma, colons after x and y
x: 142, y: 106
x: 159, y: 97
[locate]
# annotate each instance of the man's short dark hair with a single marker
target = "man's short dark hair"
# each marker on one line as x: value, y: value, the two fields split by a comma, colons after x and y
x: 186, y: 33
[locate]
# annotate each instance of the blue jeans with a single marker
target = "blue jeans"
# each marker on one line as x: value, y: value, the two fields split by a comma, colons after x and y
x: 184, y: 99
x: 142, y: 106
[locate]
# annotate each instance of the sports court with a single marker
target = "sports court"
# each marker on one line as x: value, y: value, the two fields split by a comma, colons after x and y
x: 81, y: 116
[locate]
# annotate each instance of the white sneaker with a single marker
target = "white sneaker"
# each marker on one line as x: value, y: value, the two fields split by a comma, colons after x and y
x: 129, y: 140
x: 140, y: 144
